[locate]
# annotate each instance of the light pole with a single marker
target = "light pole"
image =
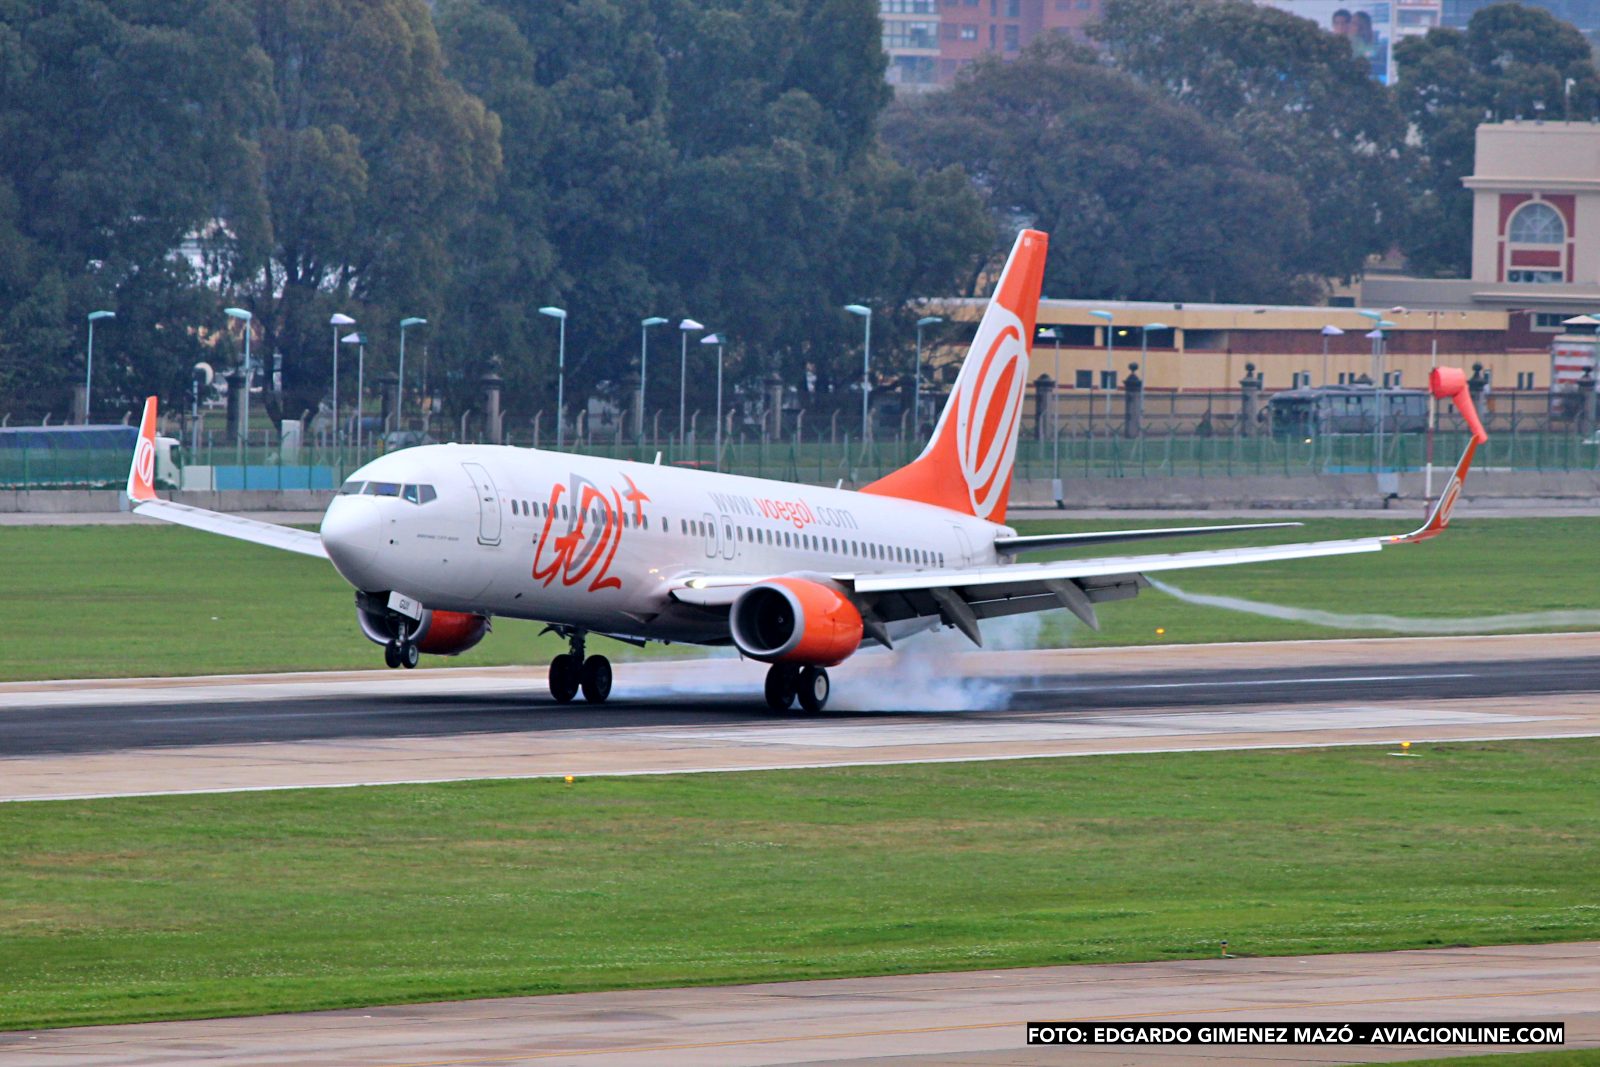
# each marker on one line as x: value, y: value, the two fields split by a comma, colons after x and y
x: 685, y: 327
x: 560, y: 315
x: 644, y: 364
x: 1111, y: 347
x: 360, y: 341
x: 400, y: 389
x: 337, y: 320
x: 249, y: 372
x: 916, y: 381
x: 1328, y: 331
x: 1144, y: 343
x: 88, y: 372
x: 866, y: 368
x: 716, y: 339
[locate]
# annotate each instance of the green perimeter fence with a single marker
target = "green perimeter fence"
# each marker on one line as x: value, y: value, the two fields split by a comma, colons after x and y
x: 1080, y: 455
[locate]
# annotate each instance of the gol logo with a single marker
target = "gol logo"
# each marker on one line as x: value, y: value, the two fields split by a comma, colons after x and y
x: 989, y: 408
x: 144, y: 463
x: 593, y: 533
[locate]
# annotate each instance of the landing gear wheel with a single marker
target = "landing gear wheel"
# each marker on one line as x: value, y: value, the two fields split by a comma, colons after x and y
x: 814, y: 689
x: 596, y: 679
x: 391, y: 655
x: 409, y: 655
x: 564, y: 670
x: 783, y: 682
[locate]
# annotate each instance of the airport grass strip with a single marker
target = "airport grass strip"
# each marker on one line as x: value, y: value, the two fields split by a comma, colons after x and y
x: 150, y: 908
x: 98, y: 601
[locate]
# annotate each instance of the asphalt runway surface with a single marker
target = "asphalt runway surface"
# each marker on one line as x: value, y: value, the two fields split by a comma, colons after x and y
x: 67, y: 728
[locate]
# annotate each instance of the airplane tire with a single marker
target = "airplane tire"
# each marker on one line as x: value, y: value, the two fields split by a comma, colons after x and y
x: 783, y: 683
x: 814, y: 689
x: 410, y: 655
x: 391, y: 655
x: 564, y: 672
x: 596, y: 679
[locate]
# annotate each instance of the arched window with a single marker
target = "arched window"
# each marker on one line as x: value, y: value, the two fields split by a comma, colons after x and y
x: 1537, y: 224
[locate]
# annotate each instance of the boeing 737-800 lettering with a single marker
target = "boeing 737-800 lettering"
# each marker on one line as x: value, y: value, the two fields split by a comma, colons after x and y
x: 440, y: 539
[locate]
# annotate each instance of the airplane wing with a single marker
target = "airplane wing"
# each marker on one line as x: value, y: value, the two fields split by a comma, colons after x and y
x: 144, y: 501
x: 1041, y: 542
x: 961, y: 597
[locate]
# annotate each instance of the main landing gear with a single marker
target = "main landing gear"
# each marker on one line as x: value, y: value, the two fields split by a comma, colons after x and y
x: 785, y: 682
x: 572, y: 671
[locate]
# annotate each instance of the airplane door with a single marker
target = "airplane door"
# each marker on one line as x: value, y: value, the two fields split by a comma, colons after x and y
x: 727, y: 537
x: 488, y: 503
x: 710, y: 523
x: 966, y: 545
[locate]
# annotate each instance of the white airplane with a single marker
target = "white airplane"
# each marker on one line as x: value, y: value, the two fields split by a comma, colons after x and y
x: 438, y: 540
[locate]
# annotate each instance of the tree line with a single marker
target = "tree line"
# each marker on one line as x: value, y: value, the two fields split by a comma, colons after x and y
x: 740, y: 162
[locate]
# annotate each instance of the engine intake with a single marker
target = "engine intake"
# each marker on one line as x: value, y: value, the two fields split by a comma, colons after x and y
x: 795, y: 620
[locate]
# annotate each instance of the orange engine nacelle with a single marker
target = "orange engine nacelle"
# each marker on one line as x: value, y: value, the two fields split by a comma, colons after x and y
x: 438, y: 633
x: 795, y: 620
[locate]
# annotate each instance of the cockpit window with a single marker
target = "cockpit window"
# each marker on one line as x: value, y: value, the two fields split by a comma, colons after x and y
x: 383, y: 488
x: 352, y: 487
x: 410, y: 493
x: 419, y: 494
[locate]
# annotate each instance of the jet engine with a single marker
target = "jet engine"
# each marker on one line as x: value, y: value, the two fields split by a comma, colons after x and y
x: 795, y: 620
x: 438, y: 633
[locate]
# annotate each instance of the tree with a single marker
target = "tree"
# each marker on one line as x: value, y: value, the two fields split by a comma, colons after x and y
x: 1143, y: 199
x: 1300, y: 102
x: 1511, y: 61
x: 120, y: 123
x: 370, y: 161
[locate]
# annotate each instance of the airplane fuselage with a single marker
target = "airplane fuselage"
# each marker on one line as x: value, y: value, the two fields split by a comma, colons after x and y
x: 596, y: 543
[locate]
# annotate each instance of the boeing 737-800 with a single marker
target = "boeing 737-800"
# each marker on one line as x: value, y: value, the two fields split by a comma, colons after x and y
x: 439, y: 539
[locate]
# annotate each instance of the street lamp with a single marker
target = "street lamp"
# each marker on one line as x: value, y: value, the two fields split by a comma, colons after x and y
x: 1144, y: 342
x: 1111, y: 347
x: 360, y: 341
x: 1328, y: 331
x: 716, y: 339
x: 685, y: 327
x: 560, y: 315
x: 916, y: 381
x: 337, y: 320
x: 88, y: 373
x: 644, y: 362
x: 400, y: 388
x: 866, y: 368
x: 249, y: 372
x: 1052, y: 333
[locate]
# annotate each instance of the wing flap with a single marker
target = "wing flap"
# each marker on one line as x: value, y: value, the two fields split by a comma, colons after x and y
x: 1041, y: 542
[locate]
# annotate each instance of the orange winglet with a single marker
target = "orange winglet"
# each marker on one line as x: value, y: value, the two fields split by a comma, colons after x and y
x: 1449, y: 382
x: 142, y: 471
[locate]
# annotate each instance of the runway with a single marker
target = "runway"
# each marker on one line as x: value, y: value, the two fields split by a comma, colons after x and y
x: 968, y: 1018
x: 127, y: 737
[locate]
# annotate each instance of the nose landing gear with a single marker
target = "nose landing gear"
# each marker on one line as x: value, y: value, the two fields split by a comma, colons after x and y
x: 785, y: 682
x: 401, y: 653
x: 571, y: 672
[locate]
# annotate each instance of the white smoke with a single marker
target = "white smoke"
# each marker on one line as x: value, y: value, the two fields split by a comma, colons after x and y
x: 1527, y: 620
x: 925, y: 672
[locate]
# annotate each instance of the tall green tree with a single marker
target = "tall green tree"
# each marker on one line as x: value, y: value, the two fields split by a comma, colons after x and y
x: 120, y: 121
x: 370, y: 162
x: 1511, y: 61
x: 1143, y: 198
x: 1298, y: 100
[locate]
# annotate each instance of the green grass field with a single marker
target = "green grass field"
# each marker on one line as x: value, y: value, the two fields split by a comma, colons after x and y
x: 192, y: 906
x: 110, y: 601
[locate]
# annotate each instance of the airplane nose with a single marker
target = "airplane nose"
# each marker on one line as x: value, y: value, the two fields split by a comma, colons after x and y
x: 351, y: 533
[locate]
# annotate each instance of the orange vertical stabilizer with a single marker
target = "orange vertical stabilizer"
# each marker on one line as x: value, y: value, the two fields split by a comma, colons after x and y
x: 967, y: 464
